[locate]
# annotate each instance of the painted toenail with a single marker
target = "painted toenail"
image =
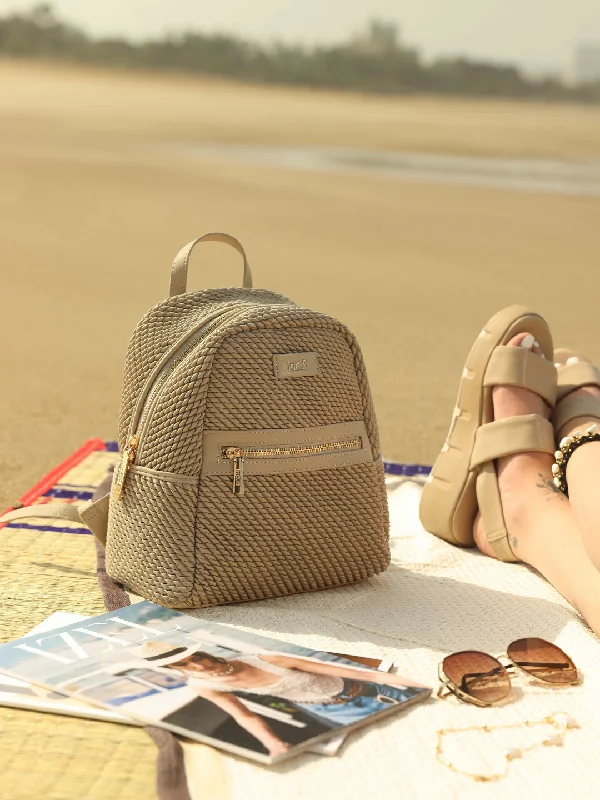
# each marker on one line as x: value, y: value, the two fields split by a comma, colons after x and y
x: 536, y: 344
x: 573, y: 360
x: 528, y: 342
x: 557, y: 364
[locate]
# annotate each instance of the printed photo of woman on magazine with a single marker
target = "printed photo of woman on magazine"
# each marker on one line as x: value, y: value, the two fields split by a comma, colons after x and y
x: 340, y: 693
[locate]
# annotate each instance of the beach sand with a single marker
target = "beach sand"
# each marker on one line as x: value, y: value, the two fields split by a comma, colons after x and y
x: 94, y: 205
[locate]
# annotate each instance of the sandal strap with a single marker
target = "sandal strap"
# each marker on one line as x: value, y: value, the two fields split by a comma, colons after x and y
x: 573, y: 407
x: 574, y: 376
x: 489, y: 503
x: 529, y: 433
x: 516, y: 366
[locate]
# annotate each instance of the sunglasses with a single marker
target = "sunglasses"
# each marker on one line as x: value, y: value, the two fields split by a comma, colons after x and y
x: 483, y: 680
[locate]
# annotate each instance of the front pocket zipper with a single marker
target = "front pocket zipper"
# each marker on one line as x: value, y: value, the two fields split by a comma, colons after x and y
x: 237, y: 455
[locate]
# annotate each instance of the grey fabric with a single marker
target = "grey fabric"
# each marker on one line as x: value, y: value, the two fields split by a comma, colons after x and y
x: 171, y: 781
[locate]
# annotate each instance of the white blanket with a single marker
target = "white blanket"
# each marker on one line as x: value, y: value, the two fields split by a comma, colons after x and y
x: 434, y: 599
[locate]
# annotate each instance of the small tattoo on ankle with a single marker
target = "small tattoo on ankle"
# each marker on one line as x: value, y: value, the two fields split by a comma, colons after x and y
x: 514, y: 542
x: 548, y: 487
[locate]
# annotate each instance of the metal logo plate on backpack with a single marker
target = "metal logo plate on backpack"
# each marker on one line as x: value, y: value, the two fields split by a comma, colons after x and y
x: 295, y: 365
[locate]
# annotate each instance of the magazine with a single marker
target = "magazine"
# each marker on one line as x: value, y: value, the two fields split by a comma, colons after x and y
x: 247, y: 694
x: 28, y: 696
x: 15, y: 693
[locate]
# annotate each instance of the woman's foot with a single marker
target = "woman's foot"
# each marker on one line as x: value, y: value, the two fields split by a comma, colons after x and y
x: 592, y: 392
x: 525, y: 480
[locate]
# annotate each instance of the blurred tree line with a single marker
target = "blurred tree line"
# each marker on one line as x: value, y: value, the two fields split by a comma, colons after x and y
x: 375, y: 61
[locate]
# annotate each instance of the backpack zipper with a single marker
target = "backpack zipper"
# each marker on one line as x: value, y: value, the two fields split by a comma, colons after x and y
x: 237, y: 455
x: 149, y: 395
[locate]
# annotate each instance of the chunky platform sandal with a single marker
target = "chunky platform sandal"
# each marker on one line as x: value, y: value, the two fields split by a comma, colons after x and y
x: 571, y: 377
x: 464, y: 478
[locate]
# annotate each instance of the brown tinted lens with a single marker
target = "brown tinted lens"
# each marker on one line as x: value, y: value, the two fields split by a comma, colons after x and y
x: 543, y: 660
x: 477, y: 675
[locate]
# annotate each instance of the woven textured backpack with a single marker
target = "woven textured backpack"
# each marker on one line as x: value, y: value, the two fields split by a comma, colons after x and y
x: 250, y: 464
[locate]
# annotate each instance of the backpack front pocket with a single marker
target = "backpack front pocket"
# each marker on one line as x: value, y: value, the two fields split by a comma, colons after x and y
x: 241, y: 454
x: 289, y: 532
x: 287, y: 511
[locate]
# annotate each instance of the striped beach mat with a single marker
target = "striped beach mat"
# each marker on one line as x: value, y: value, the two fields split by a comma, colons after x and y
x: 45, y: 569
x: 76, y: 479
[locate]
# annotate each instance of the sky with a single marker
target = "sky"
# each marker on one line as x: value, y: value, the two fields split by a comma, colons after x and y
x: 539, y: 35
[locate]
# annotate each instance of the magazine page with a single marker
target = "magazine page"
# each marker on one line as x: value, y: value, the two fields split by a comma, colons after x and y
x: 248, y: 694
x: 15, y: 693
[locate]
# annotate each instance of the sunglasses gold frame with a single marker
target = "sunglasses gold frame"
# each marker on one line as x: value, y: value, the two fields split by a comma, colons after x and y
x: 449, y: 687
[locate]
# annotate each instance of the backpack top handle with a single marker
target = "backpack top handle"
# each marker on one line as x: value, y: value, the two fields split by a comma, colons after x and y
x: 179, y: 269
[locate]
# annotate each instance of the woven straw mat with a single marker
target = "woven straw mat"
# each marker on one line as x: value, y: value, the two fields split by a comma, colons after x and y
x: 46, y: 567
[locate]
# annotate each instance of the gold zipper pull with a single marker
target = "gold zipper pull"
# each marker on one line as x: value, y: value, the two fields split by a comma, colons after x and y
x: 126, y: 461
x: 235, y: 454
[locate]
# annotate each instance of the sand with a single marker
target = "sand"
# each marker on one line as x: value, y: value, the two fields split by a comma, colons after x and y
x: 93, y: 208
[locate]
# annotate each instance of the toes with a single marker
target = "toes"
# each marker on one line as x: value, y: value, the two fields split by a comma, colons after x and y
x: 569, y: 360
x: 511, y: 401
x: 528, y: 342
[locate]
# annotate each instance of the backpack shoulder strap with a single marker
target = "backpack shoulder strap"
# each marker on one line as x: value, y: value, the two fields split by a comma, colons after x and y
x: 93, y: 515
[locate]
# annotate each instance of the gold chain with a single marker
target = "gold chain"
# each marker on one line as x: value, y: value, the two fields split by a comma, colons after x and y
x: 560, y: 721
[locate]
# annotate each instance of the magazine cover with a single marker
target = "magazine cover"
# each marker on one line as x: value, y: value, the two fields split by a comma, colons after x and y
x: 248, y: 694
x: 29, y: 696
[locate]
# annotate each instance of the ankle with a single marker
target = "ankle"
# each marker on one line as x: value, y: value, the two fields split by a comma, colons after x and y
x: 583, y: 468
x: 527, y: 485
x: 580, y: 424
x: 523, y: 470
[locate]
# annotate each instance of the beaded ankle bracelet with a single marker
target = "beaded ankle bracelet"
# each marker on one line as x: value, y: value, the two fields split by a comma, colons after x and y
x: 567, y: 447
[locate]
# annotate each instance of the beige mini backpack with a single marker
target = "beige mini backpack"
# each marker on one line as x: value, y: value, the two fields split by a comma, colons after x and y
x: 250, y: 464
